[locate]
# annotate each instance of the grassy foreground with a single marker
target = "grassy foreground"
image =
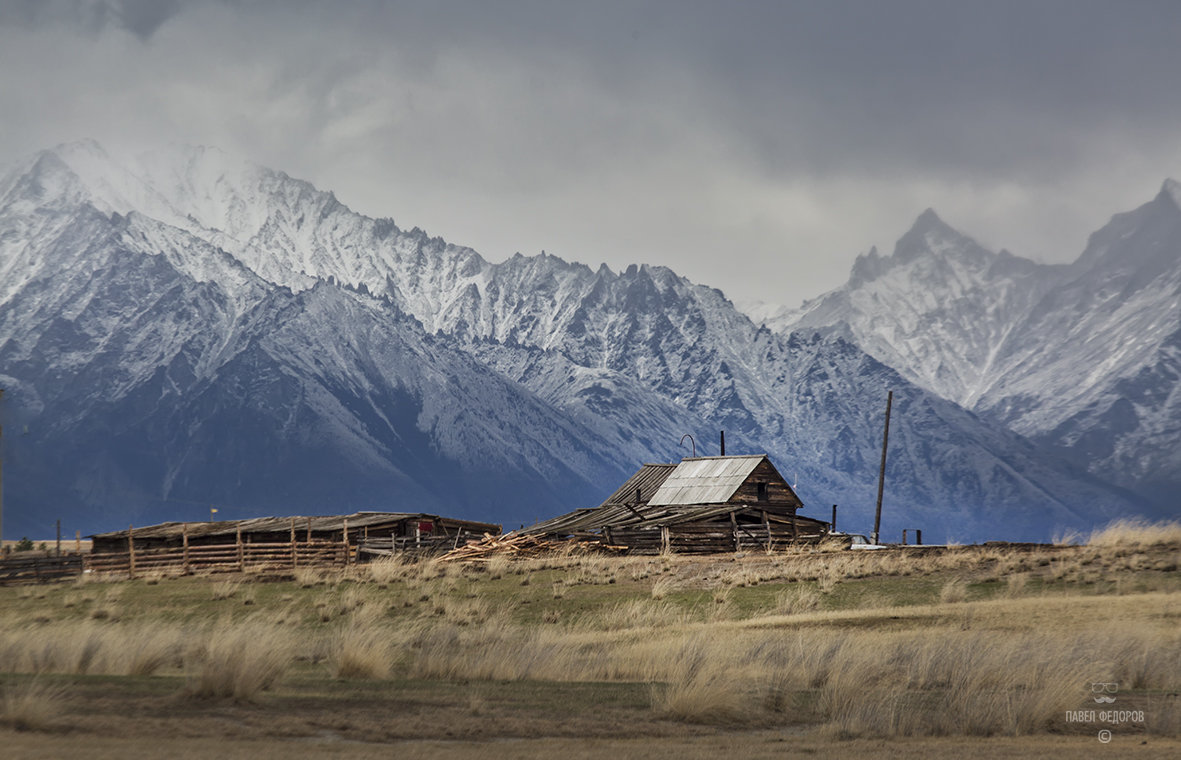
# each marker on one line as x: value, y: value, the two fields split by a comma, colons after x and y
x: 977, y: 651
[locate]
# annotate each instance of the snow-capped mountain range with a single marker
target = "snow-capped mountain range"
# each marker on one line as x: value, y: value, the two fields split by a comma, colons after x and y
x: 1081, y: 358
x: 183, y: 330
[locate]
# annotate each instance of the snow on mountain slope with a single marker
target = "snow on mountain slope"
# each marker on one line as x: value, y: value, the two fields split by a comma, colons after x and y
x: 939, y: 309
x: 1081, y: 358
x: 147, y: 368
x: 267, y: 344
x: 1119, y: 303
x: 1093, y: 369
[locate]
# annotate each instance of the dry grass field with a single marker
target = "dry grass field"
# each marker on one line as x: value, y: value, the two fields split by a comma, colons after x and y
x: 976, y: 651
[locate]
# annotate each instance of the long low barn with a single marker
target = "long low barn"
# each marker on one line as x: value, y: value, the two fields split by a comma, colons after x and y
x: 702, y: 504
x: 358, y: 528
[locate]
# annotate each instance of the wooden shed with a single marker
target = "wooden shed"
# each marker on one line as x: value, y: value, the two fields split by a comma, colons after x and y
x: 271, y: 541
x: 702, y: 504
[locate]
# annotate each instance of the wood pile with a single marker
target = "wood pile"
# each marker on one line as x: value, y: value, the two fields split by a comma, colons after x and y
x: 528, y: 546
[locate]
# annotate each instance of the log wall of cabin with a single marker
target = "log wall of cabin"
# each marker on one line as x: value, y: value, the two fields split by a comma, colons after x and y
x: 779, y: 493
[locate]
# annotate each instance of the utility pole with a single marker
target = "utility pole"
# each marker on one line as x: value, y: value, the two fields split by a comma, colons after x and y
x: 877, y: 517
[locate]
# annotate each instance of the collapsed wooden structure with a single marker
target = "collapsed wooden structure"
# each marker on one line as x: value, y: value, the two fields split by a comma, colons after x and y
x: 701, y: 505
x: 279, y: 542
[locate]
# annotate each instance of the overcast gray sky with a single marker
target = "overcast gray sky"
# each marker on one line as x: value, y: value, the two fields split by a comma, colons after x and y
x: 754, y: 146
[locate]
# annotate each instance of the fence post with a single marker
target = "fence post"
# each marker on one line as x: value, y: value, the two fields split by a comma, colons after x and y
x: 58, y: 550
x: 131, y: 552
x: 78, y: 541
x: 184, y: 537
x: 346, y: 542
x: 294, y: 558
x: 734, y: 530
x: 241, y: 558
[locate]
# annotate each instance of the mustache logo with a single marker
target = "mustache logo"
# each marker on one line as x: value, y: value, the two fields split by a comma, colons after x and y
x: 1103, y: 699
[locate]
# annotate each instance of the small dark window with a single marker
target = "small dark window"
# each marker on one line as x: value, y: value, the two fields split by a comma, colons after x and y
x: 762, y: 491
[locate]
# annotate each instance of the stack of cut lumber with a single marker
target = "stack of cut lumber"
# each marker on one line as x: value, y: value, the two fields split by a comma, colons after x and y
x: 525, y: 546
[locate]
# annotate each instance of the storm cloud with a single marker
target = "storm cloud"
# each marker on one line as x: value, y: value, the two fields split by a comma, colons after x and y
x: 756, y: 147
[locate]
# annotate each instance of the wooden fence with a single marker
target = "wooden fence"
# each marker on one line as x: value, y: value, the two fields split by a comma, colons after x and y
x: 39, y: 568
x: 708, y: 538
x: 229, y: 557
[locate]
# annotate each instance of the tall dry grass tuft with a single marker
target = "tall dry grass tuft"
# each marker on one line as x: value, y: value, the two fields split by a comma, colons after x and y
x: 662, y: 586
x: 953, y: 591
x: 240, y: 660
x: 361, y: 651
x: 1141, y: 659
x: 638, y: 613
x: 701, y: 689
x: 148, y: 648
x: 794, y: 600
x: 308, y: 577
x: 858, y: 699
x: 497, y: 567
x: 741, y: 577
x: 1136, y: 532
x: 491, y: 652
x: 82, y: 647
x: 389, y: 570
x: 473, y: 611
x: 953, y: 684
x: 34, y: 705
x: 225, y: 589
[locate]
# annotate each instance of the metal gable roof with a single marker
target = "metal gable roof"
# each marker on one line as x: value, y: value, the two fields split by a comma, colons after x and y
x: 705, y: 480
x: 647, y: 480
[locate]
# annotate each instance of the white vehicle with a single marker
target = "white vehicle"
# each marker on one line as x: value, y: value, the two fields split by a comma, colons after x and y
x: 858, y: 541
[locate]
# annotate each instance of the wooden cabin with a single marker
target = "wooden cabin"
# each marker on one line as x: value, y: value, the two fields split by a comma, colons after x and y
x: 702, y: 504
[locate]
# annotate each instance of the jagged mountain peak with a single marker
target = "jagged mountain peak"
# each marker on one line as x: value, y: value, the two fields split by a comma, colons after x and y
x: 929, y: 247
x: 184, y: 185
x: 83, y: 149
x: 931, y: 236
x: 1171, y: 190
x: 866, y: 267
x: 1146, y: 239
x: 929, y: 219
